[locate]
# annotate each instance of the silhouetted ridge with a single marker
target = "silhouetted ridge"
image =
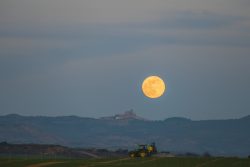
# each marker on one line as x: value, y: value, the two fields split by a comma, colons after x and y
x: 177, y: 119
x: 13, y: 115
x: 218, y: 137
x: 246, y: 117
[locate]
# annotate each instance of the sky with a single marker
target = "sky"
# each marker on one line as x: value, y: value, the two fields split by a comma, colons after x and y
x: 89, y: 57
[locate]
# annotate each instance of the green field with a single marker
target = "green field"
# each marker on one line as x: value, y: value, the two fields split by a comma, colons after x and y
x: 127, y: 162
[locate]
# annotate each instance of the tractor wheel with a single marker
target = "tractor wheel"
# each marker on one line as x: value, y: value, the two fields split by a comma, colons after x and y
x: 142, y: 154
x: 132, y: 155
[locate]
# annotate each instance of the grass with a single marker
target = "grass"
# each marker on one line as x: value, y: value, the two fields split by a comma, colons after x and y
x: 127, y: 162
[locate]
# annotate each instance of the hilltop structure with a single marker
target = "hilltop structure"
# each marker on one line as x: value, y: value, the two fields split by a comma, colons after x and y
x: 127, y: 115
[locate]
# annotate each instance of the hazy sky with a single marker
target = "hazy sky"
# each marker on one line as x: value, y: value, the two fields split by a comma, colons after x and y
x: 89, y: 57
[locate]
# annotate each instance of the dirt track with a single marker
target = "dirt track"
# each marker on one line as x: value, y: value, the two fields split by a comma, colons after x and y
x: 105, y: 162
x: 43, y: 164
x: 117, y: 160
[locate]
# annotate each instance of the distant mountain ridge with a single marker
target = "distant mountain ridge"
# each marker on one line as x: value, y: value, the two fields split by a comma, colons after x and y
x: 218, y: 137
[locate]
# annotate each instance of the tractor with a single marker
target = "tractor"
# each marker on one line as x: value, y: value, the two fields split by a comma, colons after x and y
x: 143, y: 150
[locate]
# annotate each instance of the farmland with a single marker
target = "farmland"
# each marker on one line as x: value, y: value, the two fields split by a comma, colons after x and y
x: 127, y: 162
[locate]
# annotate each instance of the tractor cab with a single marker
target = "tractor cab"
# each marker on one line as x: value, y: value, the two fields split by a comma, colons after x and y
x: 142, y: 147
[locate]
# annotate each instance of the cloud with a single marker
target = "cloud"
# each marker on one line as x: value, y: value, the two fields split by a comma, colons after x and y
x: 78, y: 27
x: 109, y: 11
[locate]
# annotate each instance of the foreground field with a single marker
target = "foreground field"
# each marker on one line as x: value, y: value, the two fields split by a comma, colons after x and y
x: 127, y: 162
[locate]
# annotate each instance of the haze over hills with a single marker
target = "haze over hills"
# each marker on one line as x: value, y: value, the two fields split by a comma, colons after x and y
x: 218, y: 137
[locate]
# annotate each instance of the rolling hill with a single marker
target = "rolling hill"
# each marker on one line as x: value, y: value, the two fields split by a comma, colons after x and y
x: 218, y: 137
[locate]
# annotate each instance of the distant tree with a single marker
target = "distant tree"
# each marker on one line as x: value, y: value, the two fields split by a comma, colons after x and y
x: 121, y: 151
x: 248, y: 156
x: 102, y: 150
x: 165, y: 152
x: 4, y: 143
x: 206, y: 154
x: 189, y: 154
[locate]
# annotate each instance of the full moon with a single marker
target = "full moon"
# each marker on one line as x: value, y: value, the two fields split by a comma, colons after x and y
x: 153, y: 87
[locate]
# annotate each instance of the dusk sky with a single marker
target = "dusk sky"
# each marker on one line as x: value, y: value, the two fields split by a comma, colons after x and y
x: 89, y: 57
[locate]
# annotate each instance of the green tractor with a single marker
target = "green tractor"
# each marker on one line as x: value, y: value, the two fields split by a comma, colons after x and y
x: 143, y: 150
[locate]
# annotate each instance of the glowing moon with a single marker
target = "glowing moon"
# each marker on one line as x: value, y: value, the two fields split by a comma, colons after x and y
x: 153, y: 87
